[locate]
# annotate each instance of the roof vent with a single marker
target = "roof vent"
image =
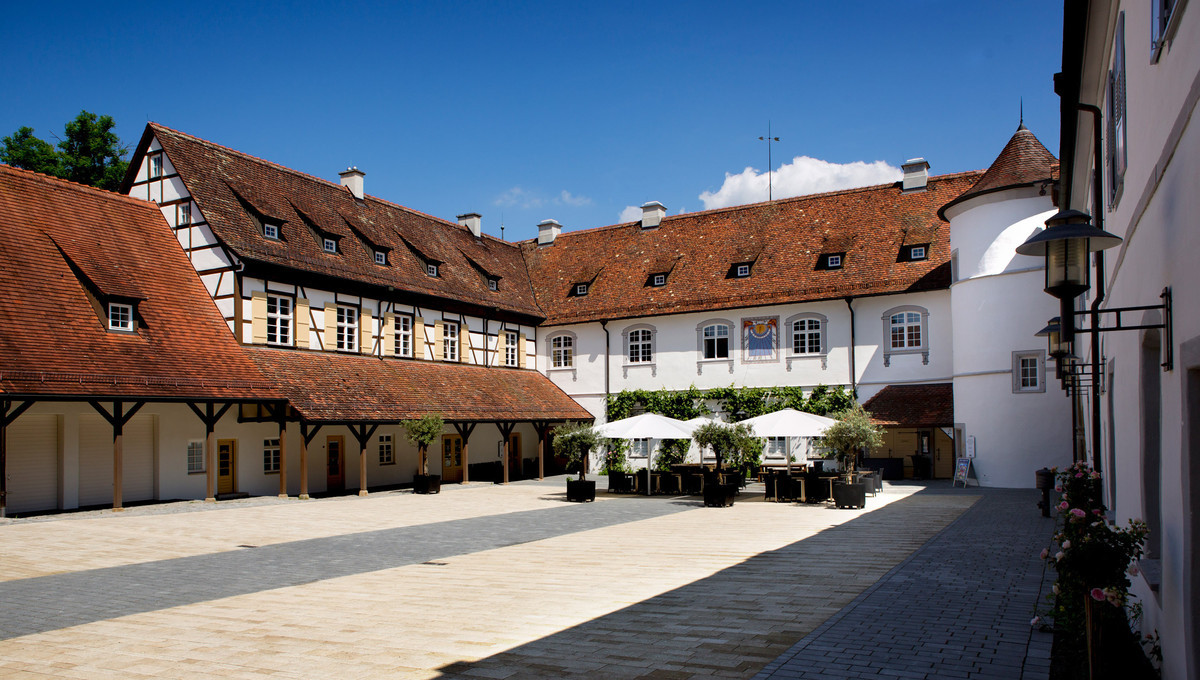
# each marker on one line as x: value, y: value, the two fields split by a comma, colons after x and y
x: 471, y: 221
x: 548, y: 230
x: 652, y: 214
x: 916, y: 175
x: 352, y: 179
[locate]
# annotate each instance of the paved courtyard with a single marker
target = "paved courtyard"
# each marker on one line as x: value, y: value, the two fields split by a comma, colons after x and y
x: 487, y: 581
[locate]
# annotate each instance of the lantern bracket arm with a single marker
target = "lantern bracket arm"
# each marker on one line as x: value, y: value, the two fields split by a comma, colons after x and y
x: 1113, y: 317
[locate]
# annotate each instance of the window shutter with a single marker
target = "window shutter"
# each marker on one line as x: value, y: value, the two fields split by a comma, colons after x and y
x: 389, y: 334
x: 464, y: 348
x: 302, y: 324
x: 437, y: 340
x: 366, y: 334
x: 501, y: 347
x: 418, y: 331
x: 330, y: 326
x: 258, y: 317
x: 521, y: 351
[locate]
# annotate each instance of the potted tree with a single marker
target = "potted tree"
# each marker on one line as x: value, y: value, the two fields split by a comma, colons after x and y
x: 853, y: 432
x: 727, y: 441
x: 422, y: 432
x: 573, y: 441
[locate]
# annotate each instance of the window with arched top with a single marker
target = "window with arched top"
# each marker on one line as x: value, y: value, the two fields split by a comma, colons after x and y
x: 714, y: 343
x: 805, y: 336
x: 639, y: 341
x: 905, y: 331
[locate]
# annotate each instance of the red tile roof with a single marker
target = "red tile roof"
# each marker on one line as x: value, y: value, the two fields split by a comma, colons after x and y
x: 1023, y: 162
x: 331, y: 387
x: 233, y: 188
x: 913, y: 405
x: 63, y: 246
x: 783, y: 239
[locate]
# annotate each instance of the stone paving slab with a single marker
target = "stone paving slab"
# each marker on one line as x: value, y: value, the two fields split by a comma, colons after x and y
x: 624, y: 587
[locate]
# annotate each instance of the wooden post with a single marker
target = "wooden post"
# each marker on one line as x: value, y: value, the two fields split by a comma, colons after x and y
x: 362, y: 434
x: 283, y: 493
x: 306, y: 436
x: 210, y: 464
x: 542, y: 427
x: 118, y: 440
x: 506, y: 432
x: 464, y: 430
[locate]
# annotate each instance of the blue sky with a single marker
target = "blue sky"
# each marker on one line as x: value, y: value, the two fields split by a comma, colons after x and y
x: 570, y: 111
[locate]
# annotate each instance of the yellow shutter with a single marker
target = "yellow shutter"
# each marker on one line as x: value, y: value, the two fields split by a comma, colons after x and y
x: 366, y: 334
x: 258, y: 317
x: 501, y: 347
x: 330, y: 326
x: 419, y: 338
x: 464, y: 354
x: 521, y: 351
x: 302, y: 324
x: 437, y: 340
x: 389, y: 334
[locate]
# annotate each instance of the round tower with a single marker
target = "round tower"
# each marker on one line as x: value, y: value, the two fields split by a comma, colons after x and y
x: 1008, y: 407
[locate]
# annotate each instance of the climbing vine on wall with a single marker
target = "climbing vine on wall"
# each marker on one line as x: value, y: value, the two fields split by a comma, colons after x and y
x: 747, y: 402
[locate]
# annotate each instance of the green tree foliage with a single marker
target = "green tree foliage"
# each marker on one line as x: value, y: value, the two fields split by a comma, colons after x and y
x: 89, y: 152
x: 728, y: 442
x: 671, y: 452
x: 853, y: 432
x: 573, y: 441
x: 745, y: 402
x: 422, y: 432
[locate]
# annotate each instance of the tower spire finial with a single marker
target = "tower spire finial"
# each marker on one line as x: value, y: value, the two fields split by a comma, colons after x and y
x: 1021, y: 123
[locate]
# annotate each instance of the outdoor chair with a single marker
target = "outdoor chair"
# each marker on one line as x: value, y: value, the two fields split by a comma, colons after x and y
x: 620, y: 482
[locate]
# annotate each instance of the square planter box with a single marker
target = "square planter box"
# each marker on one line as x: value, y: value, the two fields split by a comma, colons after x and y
x: 849, y: 495
x: 427, y: 483
x: 719, y: 495
x: 581, y: 491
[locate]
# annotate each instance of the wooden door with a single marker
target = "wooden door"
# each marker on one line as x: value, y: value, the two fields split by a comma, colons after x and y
x: 226, y: 465
x: 452, y: 462
x: 335, y: 463
x: 514, y: 457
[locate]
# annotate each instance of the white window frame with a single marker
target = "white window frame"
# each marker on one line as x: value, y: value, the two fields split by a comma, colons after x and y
x: 347, y: 328
x: 387, y: 452
x: 431, y: 269
x: 776, y: 448
x: 156, y: 166
x: 644, y: 337
x: 581, y: 289
x: 450, y: 341
x: 702, y: 344
x: 833, y: 261
x: 1036, y: 358
x: 512, y: 341
x: 329, y: 245
x: 381, y: 258
x: 271, y: 231
x: 120, y: 317
x: 906, y: 318
x: 183, y: 214
x: 493, y: 284
x: 917, y: 253
x: 1116, y: 110
x: 639, y: 448
x: 279, y: 322
x: 742, y: 271
x: 196, y: 455
x: 404, y: 336
x: 271, y: 456
x: 807, y: 319
x: 560, y: 349
x: 659, y: 280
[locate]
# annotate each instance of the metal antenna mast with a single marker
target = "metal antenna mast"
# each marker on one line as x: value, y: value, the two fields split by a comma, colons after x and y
x: 768, y: 139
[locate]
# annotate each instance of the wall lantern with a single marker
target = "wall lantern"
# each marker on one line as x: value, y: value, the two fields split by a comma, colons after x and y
x: 1053, y: 332
x: 1066, y: 242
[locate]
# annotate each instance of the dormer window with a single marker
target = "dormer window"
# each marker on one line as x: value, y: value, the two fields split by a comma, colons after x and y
x: 917, y: 253
x: 271, y: 231
x: 658, y: 280
x: 431, y: 269
x: 581, y: 289
x: 380, y: 257
x: 741, y: 271
x: 831, y: 260
x: 120, y: 317
x: 835, y: 261
x: 912, y: 253
x: 329, y: 245
x: 493, y: 284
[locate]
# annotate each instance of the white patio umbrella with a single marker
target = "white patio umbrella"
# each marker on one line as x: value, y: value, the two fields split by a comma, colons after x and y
x: 788, y: 423
x: 645, y: 426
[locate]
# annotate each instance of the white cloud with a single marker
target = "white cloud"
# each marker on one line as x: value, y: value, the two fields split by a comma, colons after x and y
x: 576, y: 201
x: 517, y: 196
x: 804, y: 175
x: 631, y: 213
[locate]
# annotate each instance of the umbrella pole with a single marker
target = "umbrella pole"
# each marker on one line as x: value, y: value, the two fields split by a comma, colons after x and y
x: 649, y: 459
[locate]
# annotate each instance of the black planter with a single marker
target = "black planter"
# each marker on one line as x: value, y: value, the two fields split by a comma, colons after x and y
x: 583, y: 491
x: 719, y: 495
x: 427, y: 483
x: 849, y: 495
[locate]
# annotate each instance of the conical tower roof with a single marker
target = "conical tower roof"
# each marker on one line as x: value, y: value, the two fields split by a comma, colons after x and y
x: 1023, y: 162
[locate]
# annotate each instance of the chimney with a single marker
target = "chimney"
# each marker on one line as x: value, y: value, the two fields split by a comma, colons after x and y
x: 916, y: 175
x: 652, y: 214
x: 352, y: 179
x: 471, y: 221
x: 548, y: 230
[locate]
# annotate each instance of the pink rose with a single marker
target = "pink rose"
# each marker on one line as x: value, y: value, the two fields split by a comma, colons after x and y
x: 1066, y: 545
x: 1098, y: 595
x: 1078, y: 513
x: 1058, y: 488
x: 1059, y: 555
x: 1035, y: 621
x: 1078, y: 475
x: 1063, y: 505
x: 1045, y: 553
